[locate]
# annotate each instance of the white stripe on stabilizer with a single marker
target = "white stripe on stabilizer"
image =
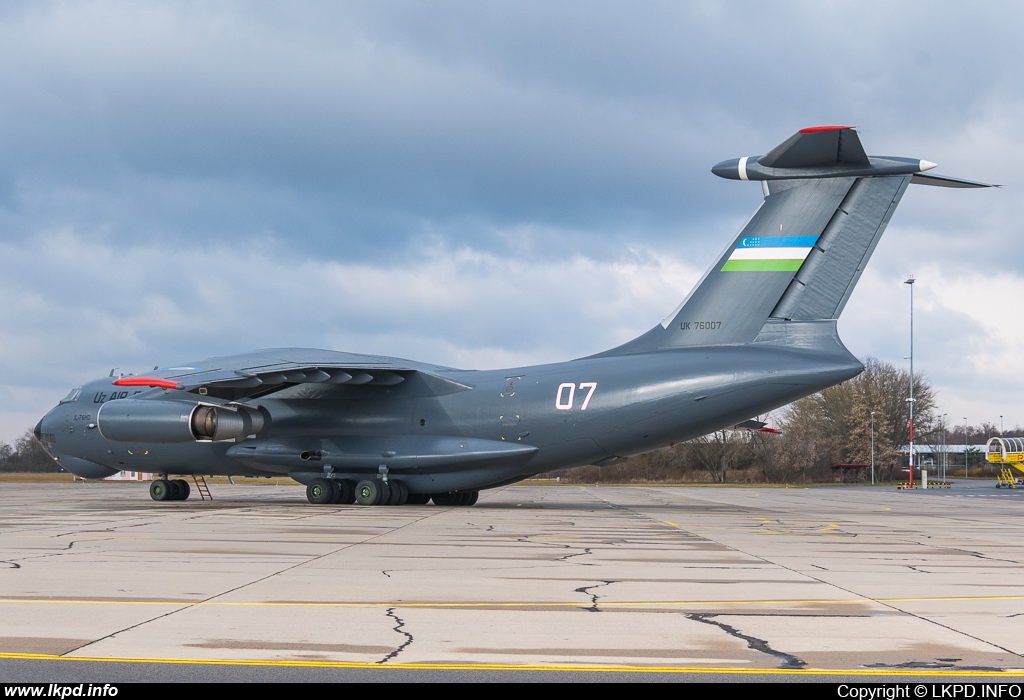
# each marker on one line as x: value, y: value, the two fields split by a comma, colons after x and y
x: 770, y: 254
x: 743, y: 168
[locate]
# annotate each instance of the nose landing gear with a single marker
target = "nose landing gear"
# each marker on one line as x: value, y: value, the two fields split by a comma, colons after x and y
x: 169, y: 490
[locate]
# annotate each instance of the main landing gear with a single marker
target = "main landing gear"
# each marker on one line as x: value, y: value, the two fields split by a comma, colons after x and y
x: 376, y: 492
x: 330, y: 491
x: 169, y: 490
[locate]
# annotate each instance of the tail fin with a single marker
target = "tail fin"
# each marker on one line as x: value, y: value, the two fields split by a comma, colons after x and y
x: 800, y: 255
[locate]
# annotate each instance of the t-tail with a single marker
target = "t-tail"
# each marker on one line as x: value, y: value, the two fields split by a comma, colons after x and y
x: 791, y: 270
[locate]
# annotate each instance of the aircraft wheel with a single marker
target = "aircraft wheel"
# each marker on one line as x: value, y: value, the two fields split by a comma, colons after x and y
x: 473, y: 497
x: 464, y: 498
x: 445, y: 499
x: 344, y: 492
x: 319, y: 491
x: 173, y: 490
x: 160, y: 490
x: 335, y: 491
x: 418, y: 499
x: 368, y: 492
x: 184, y: 490
x: 398, y: 493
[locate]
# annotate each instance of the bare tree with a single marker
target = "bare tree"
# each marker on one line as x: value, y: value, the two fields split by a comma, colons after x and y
x: 838, y: 419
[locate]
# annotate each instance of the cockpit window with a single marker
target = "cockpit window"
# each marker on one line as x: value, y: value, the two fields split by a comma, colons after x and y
x: 73, y: 396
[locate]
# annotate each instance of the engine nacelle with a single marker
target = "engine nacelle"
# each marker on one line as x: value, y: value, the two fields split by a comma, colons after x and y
x: 147, y: 420
x: 225, y: 423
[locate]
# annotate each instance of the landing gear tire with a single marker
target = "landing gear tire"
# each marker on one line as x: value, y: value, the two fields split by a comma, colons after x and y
x: 368, y: 492
x: 175, y: 490
x: 467, y: 498
x: 456, y: 498
x: 445, y: 499
x: 160, y: 490
x: 399, y: 493
x: 320, y: 491
x: 335, y: 491
x: 346, y: 491
x: 184, y: 490
x: 418, y: 499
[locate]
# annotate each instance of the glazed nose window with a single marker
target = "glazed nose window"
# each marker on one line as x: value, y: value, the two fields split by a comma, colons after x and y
x: 72, y: 396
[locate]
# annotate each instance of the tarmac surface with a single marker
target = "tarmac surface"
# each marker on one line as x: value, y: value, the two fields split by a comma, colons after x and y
x: 99, y: 583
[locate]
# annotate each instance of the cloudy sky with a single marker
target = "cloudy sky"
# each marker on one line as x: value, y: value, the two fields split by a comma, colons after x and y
x: 478, y: 184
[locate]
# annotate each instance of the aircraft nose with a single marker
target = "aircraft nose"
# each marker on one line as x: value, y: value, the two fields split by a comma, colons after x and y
x: 38, y: 430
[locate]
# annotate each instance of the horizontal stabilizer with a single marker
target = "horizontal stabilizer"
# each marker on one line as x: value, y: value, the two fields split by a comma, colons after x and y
x: 756, y: 426
x: 817, y: 146
x: 815, y: 153
x: 945, y: 181
x: 749, y: 425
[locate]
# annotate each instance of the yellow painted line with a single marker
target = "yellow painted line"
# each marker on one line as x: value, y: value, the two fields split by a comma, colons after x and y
x: 518, y: 604
x: 669, y: 522
x: 87, y: 536
x: 466, y: 666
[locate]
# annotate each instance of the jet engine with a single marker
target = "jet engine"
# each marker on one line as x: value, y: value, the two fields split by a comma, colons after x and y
x: 141, y: 420
x: 225, y: 423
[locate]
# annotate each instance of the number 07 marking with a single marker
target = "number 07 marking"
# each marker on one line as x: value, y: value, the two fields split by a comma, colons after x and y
x: 565, y: 397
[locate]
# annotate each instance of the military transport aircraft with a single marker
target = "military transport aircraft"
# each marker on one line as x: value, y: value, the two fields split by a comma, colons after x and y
x: 757, y: 332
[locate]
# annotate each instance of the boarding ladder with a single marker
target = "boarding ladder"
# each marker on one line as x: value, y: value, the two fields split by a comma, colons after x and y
x: 1009, y: 454
x: 202, y: 488
x: 1005, y: 479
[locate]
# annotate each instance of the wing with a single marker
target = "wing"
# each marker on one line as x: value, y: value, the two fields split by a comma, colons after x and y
x: 275, y: 372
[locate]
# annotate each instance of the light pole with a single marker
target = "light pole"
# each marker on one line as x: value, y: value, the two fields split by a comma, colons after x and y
x: 872, y: 448
x: 944, y: 454
x: 967, y: 429
x: 911, y: 281
x: 1000, y: 426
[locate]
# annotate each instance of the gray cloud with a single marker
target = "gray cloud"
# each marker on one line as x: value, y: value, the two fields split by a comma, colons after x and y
x: 185, y: 179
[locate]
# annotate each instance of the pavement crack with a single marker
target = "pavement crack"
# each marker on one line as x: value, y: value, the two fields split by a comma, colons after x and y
x: 586, y: 552
x: 11, y: 564
x: 266, y: 577
x: 585, y: 590
x: 385, y: 572
x: 789, y: 661
x: 400, y: 628
x: 936, y: 665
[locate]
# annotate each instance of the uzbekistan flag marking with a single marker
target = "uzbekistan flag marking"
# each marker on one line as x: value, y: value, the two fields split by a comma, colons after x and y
x: 769, y: 254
